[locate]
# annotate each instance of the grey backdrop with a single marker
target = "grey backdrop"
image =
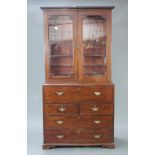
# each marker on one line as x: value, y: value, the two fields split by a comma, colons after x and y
x: 36, y: 76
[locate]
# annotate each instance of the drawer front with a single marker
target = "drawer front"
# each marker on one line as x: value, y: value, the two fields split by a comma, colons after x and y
x: 95, y: 137
x: 60, y: 109
x: 78, y: 93
x: 78, y: 121
x: 51, y: 94
x: 96, y: 108
x: 49, y: 132
x: 96, y: 93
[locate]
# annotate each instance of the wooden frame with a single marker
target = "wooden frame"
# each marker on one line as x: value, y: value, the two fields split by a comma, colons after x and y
x: 47, y: 15
x: 77, y: 15
x: 107, y: 15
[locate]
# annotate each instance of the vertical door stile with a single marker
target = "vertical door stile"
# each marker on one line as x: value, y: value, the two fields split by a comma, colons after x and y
x: 75, y: 38
x: 80, y: 46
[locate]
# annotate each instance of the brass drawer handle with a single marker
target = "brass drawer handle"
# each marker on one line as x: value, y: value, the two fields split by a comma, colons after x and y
x: 97, y: 93
x: 95, y: 108
x: 97, y: 136
x: 61, y: 109
x: 60, y: 136
x: 97, y: 122
x: 59, y: 93
x: 60, y: 122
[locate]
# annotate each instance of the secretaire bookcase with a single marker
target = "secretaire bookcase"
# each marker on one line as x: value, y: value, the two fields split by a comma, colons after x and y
x: 78, y: 95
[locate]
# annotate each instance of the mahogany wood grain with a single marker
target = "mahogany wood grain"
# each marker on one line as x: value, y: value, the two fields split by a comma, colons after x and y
x: 77, y: 93
x: 78, y: 121
x: 82, y: 139
x: 77, y: 131
x: 100, y: 108
x: 56, y: 109
x: 50, y: 93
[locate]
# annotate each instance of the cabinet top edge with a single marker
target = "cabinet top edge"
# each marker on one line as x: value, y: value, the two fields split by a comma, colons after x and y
x: 78, y: 7
x: 77, y: 84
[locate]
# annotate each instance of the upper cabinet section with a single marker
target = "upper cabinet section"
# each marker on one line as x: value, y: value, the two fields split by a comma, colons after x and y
x: 78, y: 45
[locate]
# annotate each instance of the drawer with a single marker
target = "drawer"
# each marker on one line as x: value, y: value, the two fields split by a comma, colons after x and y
x: 98, y: 93
x: 60, y: 109
x: 89, y: 136
x: 78, y: 121
x: 58, y: 93
x: 78, y: 93
x: 96, y: 108
x: 49, y: 132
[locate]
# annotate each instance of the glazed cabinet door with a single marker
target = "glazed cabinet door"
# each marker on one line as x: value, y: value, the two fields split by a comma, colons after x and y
x: 94, y: 29
x: 60, y: 38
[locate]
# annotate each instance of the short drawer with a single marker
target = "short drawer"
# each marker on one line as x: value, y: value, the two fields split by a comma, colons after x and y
x: 78, y: 121
x: 60, y: 109
x: 96, y: 108
x: 58, y: 93
x: 92, y: 136
x: 98, y: 93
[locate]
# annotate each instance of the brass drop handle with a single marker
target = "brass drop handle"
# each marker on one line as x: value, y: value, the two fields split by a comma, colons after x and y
x: 95, y: 108
x: 61, y: 109
x: 59, y: 93
x: 97, y: 121
x: 60, y: 122
x: 97, y: 136
x: 60, y: 136
x: 97, y: 93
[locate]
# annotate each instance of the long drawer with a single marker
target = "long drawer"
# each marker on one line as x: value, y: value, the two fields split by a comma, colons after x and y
x: 78, y: 136
x: 78, y: 121
x: 77, y: 93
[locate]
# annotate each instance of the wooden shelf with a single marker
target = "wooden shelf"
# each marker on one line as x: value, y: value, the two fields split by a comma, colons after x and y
x: 62, y: 75
x: 93, y: 55
x: 61, y: 55
x: 59, y: 24
x: 93, y: 73
x: 95, y: 65
x: 53, y: 65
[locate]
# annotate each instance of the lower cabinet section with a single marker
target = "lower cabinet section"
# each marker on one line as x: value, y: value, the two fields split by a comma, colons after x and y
x: 78, y: 115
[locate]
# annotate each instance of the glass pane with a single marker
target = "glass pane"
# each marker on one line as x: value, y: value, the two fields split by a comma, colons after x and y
x: 61, y: 45
x: 94, y: 45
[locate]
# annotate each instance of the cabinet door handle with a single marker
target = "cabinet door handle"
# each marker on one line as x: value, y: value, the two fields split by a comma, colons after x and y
x: 62, y: 109
x: 97, y: 121
x: 97, y: 93
x: 97, y: 136
x: 60, y: 122
x: 59, y: 93
x: 95, y: 108
x: 60, y: 136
